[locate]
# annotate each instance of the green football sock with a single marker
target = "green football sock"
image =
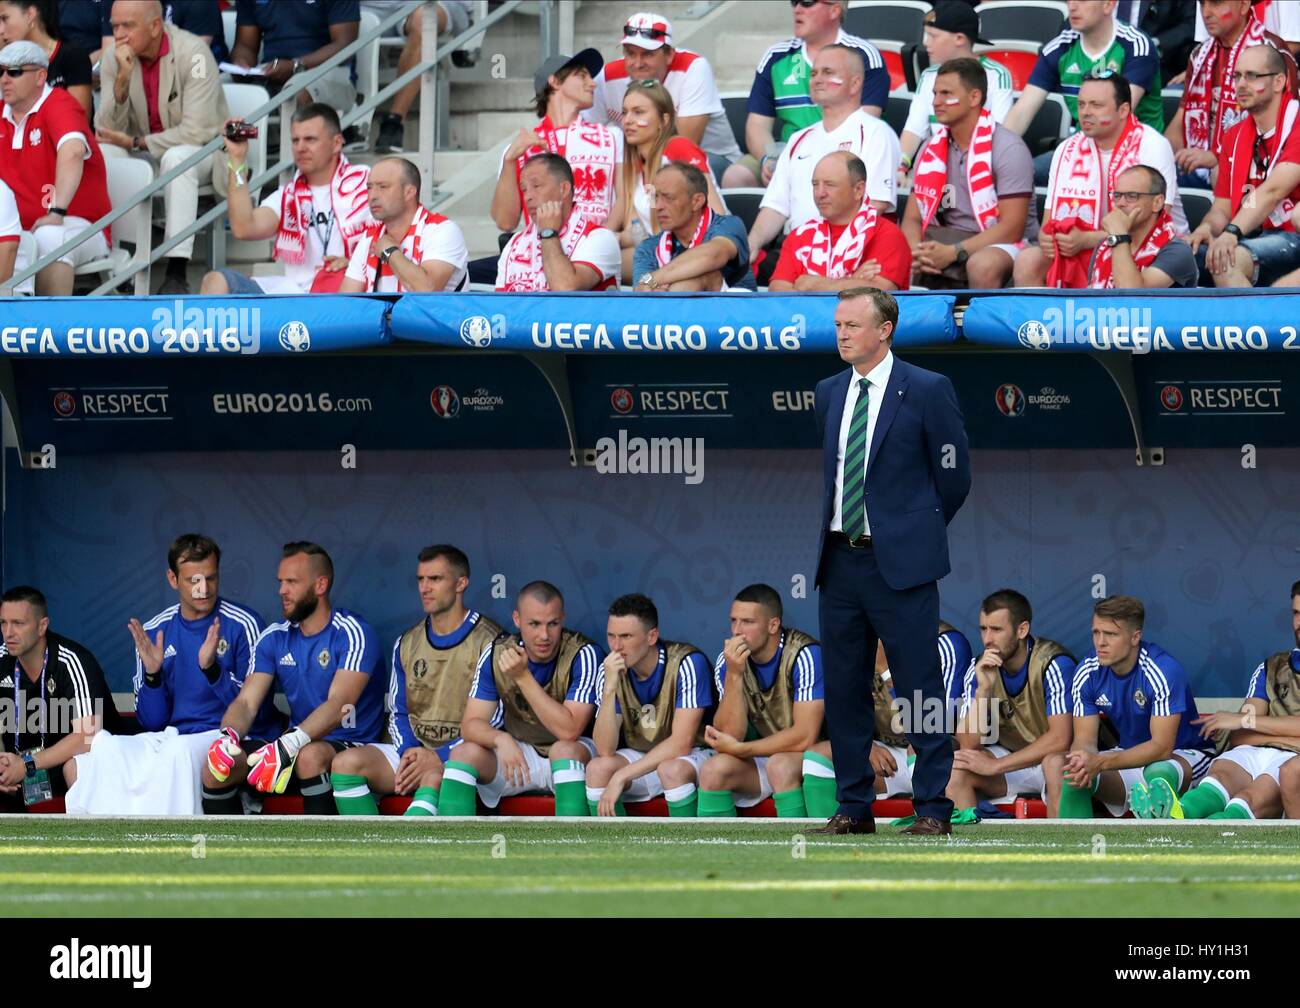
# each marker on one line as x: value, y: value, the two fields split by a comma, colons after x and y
x: 1236, y: 809
x: 1076, y: 802
x: 459, y: 790
x: 352, y: 795
x: 423, y: 803
x: 569, y: 778
x: 682, y: 801
x: 593, y: 802
x: 1166, y: 770
x: 1204, y: 800
x: 790, y: 804
x: 819, y: 786
x: 717, y: 805
x: 964, y: 817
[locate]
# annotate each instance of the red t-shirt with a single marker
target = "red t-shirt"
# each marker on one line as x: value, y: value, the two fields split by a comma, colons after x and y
x: 1223, y: 184
x: 149, y: 70
x: 29, y: 155
x: 888, y: 247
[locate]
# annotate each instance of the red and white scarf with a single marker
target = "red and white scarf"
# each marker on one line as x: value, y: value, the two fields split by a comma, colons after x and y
x: 1080, y: 197
x: 1210, y: 74
x: 1162, y: 233
x: 411, y: 246
x: 523, y: 256
x: 932, y: 174
x: 591, y: 150
x: 349, y: 202
x: 813, y: 244
x: 664, y: 247
x: 1239, y: 149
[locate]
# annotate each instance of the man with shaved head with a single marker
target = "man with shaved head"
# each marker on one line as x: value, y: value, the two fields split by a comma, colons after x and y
x: 160, y: 99
x: 408, y: 248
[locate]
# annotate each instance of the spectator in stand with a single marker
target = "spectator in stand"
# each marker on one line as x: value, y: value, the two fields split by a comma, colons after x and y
x: 1084, y: 174
x: 408, y: 248
x: 297, y: 35
x: 849, y: 244
x: 836, y: 87
x: 1249, y: 234
x: 316, y: 220
x: 560, y: 249
x: 779, y: 101
x: 52, y: 164
x: 198, y: 17
x: 696, y: 249
x: 161, y: 100
x: 1209, y: 106
x: 1140, y: 249
x: 79, y: 24
x: 648, y: 54
x: 38, y: 21
x: 453, y: 18
x: 951, y: 31
x: 1094, y: 41
x: 651, y: 141
x: 563, y: 88
x: 1171, y: 24
x: 1280, y: 17
x: 972, y: 205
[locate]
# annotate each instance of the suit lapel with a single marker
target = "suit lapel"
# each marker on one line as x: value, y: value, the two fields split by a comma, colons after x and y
x: 139, y: 104
x: 166, y: 78
x: 894, y: 392
x: 834, y: 417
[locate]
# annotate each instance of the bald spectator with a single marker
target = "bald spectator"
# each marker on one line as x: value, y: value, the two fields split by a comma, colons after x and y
x: 198, y: 17
x: 1141, y: 250
x: 972, y: 204
x: 779, y: 100
x: 161, y: 100
x: 696, y: 249
x: 408, y: 248
x: 849, y: 244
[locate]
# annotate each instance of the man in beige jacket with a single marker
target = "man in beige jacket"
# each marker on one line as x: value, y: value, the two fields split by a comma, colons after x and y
x: 161, y: 98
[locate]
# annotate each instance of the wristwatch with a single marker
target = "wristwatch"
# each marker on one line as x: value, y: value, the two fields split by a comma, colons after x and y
x: 545, y: 233
x: 1233, y: 230
x: 962, y: 255
x: 1120, y: 239
x: 387, y: 254
x: 299, y: 66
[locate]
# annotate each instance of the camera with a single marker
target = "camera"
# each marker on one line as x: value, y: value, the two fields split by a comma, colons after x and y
x: 240, y: 131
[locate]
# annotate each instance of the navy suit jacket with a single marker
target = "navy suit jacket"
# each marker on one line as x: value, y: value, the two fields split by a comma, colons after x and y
x: 911, y: 494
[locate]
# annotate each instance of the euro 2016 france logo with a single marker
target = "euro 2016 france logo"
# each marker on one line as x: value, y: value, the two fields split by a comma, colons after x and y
x: 1033, y: 335
x: 295, y: 337
x: 476, y: 331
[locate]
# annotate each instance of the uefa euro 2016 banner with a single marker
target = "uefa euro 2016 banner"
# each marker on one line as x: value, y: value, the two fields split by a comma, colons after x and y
x: 1153, y: 322
x: 652, y: 323
x: 189, y: 327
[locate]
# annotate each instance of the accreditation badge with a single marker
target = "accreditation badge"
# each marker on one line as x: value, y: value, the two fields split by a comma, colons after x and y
x: 36, y: 787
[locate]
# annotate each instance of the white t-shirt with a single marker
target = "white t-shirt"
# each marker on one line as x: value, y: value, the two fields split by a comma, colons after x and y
x: 998, y: 101
x: 1155, y: 152
x: 304, y: 274
x: 440, y: 240
x: 694, y: 92
x: 597, y: 249
x: 790, y: 191
x: 10, y: 225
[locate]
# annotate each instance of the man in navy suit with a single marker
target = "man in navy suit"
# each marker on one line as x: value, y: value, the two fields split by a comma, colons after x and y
x: 897, y: 468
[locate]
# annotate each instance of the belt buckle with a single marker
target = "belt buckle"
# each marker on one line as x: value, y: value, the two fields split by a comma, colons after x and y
x: 861, y: 542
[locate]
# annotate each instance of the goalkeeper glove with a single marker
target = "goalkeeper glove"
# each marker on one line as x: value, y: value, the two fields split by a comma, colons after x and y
x: 222, y: 755
x: 270, y: 767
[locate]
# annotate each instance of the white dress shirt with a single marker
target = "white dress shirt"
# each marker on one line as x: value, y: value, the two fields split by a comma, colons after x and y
x: 878, y: 377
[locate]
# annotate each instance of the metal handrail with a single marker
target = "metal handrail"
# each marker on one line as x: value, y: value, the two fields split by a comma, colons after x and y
x: 290, y: 91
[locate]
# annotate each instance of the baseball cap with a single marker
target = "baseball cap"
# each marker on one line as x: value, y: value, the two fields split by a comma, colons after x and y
x: 589, y: 58
x: 955, y: 16
x: 17, y: 54
x: 648, y: 31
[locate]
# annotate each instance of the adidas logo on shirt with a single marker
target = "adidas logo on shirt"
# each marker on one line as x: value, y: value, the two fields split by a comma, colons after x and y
x: 1102, y: 701
x: 288, y: 660
x: 1073, y: 68
x: 170, y: 652
x: 7, y: 681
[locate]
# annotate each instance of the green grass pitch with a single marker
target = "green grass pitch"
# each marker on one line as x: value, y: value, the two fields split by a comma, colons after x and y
x: 505, y: 868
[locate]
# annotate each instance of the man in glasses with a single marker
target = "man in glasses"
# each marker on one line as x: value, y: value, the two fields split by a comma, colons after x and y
x: 780, y: 102
x: 53, y: 165
x: 1209, y: 107
x: 648, y: 54
x: 1140, y: 248
x: 1259, y: 182
x: 1085, y: 171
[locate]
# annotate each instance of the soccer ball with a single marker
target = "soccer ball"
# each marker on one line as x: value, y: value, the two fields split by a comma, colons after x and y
x: 1033, y: 335
x: 295, y: 337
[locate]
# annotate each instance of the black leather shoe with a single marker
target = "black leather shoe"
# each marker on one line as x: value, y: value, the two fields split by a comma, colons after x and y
x: 928, y: 826
x: 840, y: 825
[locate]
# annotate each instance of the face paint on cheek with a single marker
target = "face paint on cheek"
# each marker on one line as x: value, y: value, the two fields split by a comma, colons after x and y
x: 952, y: 101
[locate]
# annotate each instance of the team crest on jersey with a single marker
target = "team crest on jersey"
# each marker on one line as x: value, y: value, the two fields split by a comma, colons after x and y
x: 647, y: 716
x: 420, y: 668
x: 34, y: 137
x: 222, y: 647
x: 323, y: 659
x: 1139, y: 697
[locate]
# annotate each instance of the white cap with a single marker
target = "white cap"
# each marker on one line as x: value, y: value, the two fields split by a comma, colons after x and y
x: 644, y: 22
x: 17, y: 54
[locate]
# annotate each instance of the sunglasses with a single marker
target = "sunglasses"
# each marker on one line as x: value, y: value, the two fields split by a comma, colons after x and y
x: 654, y: 34
x: 804, y: 3
x: 15, y: 72
x: 648, y: 83
x: 1106, y: 74
x: 1259, y: 154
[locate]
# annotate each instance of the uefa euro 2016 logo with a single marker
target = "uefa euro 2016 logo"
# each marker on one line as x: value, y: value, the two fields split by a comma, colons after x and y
x: 295, y: 337
x: 479, y: 331
x: 1033, y: 335
x: 445, y: 402
x: 1010, y: 400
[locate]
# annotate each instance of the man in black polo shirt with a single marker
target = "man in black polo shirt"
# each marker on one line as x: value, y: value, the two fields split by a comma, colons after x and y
x: 297, y: 35
x: 59, y: 700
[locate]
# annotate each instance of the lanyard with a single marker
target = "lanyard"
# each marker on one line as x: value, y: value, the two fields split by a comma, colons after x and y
x: 19, y: 675
x: 329, y: 231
